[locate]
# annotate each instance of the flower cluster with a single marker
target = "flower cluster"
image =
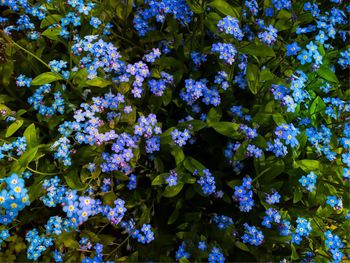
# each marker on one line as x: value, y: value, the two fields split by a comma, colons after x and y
x: 195, y: 90
x: 37, y: 244
x: 158, y: 10
x: 272, y: 215
x: 79, y: 208
x: 198, y: 58
x: 230, y: 26
x: 172, y: 178
x: 4, y: 234
x: 181, y: 252
x: 180, y: 137
x: 252, y: 235
x: 227, y: 52
x: 288, y: 133
x: 334, y: 202
x: 17, y: 147
x: 13, y: 198
x: 320, y: 139
x: 37, y: 100
x: 158, y: 86
x: 58, y: 66
x: 95, y: 251
x: 207, y: 182
x: 302, y: 229
x: 308, y: 181
x: 23, y: 81
x: 273, y: 198
x: 222, y: 221
x: 97, y: 54
x: 216, y: 256
x: 269, y: 36
x: 334, y: 245
x: 244, y: 195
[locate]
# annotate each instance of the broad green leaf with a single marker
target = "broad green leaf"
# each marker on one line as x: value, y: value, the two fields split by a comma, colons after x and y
x: 228, y: 129
x: 122, y: 176
x: 242, y: 246
x: 160, y: 179
x: 196, y: 6
x: 46, y: 78
x: 214, y: 115
x: 317, y: 106
x: 298, y: 195
x: 211, y: 21
x: 99, y: 82
x: 192, y: 164
x: 294, y: 255
x: 257, y: 50
x: 178, y: 154
x: 278, y: 118
x: 225, y: 8
x: 73, y: 180
x: 52, y: 33
x: 171, y: 191
x: 269, y: 169
x: 28, y: 156
x: 184, y: 260
x: 30, y: 135
x: 308, y: 165
x: 13, y: 128
x: 253, y: 78
x: 173, y: 216
x: 196, y: 125
x: 50, y: 20
x: 167, y: 96
x: 327, y: 74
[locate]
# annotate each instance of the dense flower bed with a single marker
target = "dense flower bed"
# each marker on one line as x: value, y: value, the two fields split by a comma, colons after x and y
x: 163, y: 130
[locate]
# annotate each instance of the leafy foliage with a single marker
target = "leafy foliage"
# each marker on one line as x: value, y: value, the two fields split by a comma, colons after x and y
x: 174, y: 130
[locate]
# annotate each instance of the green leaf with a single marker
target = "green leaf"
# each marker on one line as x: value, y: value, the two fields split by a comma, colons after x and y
x: 278, y: 118
x: 242, y: 246
x: 269, y: 168
x: 228, y: 129
x: 50, y: 20
x: 46, y: 78
x: 214, y: 115
x: 99, y: 82
x: 52, y: 33
x: 317, y: 106
x: 173, y: 216
x: 196, y: 125
x: 211, y: 21
x: 327, y: 74
x: 167, y: 96
x: 192, y: 164
x: 13, y: 128
x: 178, y: 154
x: 298, y: 195
x: 160, y: 179
x: 73, y: 180
x: 253, y: 78
x: 184, y: 260
x: 257, y: 50
x: 122, y: 176
x: 294, y: 255
x: 225, y: 8
x: 28, y: 156
x: 195, y: 6
x: 171, y: 191
x: 30, y: 135
x: 308, y: 165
